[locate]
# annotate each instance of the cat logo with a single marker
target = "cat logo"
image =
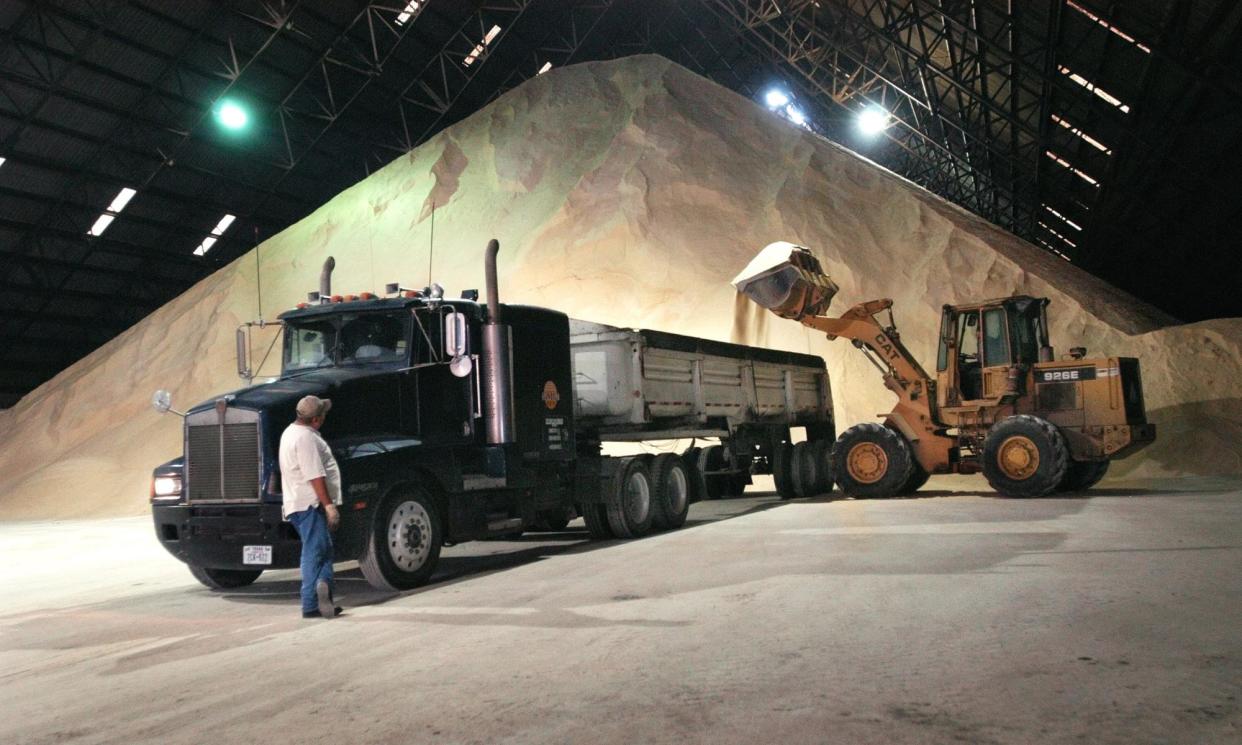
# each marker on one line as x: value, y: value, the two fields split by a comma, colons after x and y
x: 551, y: 396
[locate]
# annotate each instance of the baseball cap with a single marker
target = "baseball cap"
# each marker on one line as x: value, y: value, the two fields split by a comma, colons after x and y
x: 312, y: 406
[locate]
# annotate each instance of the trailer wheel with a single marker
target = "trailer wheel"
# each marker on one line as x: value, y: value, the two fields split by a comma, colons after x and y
x: 629, y: 499
x: 1081, y: 475
x: 782, y: 470
x: 672, y: 491
x: 821, y: 452
x: 711, y: 458
x: 1025, y: 456
x: 871, y: 461
x: 403, y: 547
x: 224, y: 579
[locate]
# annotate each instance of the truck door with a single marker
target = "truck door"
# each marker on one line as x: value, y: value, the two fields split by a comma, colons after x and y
x: 436, y: 406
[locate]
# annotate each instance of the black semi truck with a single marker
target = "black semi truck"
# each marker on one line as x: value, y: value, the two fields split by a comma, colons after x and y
x: 454, y: 420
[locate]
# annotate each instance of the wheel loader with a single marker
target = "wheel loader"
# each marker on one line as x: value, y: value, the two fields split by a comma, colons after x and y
x: 1000, y: 403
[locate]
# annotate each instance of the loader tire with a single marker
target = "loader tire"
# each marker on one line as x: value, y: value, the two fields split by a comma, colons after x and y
x: 1081, y: 475
x: 629, y: 499
x: 1025, y: 456
x: 782, y: 470
x: 918, y: 477
x: 671, y: 500
x: 871, y: 461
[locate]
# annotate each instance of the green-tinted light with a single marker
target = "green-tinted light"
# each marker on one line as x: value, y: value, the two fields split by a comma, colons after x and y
x: 231, y: 115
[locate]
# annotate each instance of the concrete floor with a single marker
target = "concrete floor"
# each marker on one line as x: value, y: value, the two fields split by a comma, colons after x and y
x: 954, y: 617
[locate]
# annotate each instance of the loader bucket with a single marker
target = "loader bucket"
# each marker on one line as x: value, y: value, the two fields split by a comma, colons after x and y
x: 787, y: 280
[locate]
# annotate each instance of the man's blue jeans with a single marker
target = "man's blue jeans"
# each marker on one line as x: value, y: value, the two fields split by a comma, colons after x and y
x: 312, y: 526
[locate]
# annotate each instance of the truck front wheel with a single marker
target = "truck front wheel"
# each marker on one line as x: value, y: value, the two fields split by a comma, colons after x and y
x: 224, y: 579
x: 404, y: 545
x: 871, y: 460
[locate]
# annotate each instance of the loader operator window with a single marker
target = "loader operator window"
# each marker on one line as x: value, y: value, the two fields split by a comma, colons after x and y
x: 995, y: 345
x: 309, y: 345
x: 969, y: 370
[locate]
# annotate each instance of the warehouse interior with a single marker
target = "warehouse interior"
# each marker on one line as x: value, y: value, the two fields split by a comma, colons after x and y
x: 170, y: 173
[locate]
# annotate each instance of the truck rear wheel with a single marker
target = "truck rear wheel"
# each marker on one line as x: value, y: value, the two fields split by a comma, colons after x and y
x: 871, y: 461
x: 671, y: 479
x: 404, y: 545
x: 805, y: 470
x: 1081, y: 475
x: 782, y: 470
x: 821, y: 451
x: 629, y: 499
x: 595, y: 516
x: 1025, y: 456
x: 224, y: 579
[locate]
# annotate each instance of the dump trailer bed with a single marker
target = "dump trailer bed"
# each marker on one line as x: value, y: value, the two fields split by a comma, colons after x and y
x: 638, y: 384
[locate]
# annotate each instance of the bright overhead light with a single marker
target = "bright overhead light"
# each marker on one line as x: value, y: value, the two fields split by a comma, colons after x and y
x: 546, y: 66
x: 873, y: 120
x: 408, y: 13
x: 101, y: 224
x: 1066, y: 164
x: 1083, y: 135
x: 1098, y: 91
x: 1, y: 161
x: 231, y: 115
x: 795, y: 116
x: 775, y: 98
x: 478, y: 48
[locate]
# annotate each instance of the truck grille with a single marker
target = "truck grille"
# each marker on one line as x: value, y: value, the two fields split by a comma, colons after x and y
x: 222, y: 459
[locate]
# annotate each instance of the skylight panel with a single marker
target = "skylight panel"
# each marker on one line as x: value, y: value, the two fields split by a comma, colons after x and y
x: 546, y: 66
x: 1067, y: 164
x: 1098, y: 91
x: 408, y: 13
x: 478, y: 48
x: 114, y: 208
x: 216, y: 232
x: 1064, y: 219
x: 1083, y: 135
x: 1110, y: 27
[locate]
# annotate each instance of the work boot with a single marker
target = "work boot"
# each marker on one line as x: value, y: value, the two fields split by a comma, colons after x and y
x: 316, y: 614
x: 326, y: 608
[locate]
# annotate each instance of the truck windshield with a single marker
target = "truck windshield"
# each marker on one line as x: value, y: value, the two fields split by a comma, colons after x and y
x: 347, y: 339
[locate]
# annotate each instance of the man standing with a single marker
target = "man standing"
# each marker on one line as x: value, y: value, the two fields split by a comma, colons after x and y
x: 311, y: 481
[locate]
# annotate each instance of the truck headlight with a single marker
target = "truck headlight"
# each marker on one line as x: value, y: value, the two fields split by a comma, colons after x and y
x: 166, y: 487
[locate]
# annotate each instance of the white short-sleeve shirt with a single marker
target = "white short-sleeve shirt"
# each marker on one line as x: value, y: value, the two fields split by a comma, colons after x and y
x: 305, y: 456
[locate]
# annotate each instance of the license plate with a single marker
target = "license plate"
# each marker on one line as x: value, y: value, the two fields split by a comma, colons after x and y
x: 257, y: 555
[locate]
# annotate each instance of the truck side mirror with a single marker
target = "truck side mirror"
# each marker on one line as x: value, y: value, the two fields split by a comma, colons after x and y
x: 161, y: 401
x: 243, y: 354
x: 457, y: 343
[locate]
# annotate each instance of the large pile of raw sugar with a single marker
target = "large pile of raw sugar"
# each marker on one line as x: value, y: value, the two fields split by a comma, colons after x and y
x: 626, y: 192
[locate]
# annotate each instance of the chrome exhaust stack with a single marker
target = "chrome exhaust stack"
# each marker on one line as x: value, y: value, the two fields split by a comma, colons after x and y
x: 497, y: 366
x: 325, y: 280
x: 787, y: 280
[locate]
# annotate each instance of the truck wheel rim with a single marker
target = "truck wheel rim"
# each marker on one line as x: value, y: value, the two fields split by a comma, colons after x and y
x: 409, y: 536
x: 637, y: 498
x: 1018, y: 457
x: 867, y: 462
x: 678, y: 490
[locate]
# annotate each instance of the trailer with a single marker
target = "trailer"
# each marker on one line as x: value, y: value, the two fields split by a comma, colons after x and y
x: 454, y: 420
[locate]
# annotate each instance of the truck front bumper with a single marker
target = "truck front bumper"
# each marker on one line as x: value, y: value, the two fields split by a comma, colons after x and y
x: 216, y: 536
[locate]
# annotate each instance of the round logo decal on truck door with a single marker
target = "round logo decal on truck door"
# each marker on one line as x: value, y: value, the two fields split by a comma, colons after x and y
x: 551, y: 396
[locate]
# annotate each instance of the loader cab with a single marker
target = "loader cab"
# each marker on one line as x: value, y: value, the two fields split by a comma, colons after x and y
x: 979, y: 343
